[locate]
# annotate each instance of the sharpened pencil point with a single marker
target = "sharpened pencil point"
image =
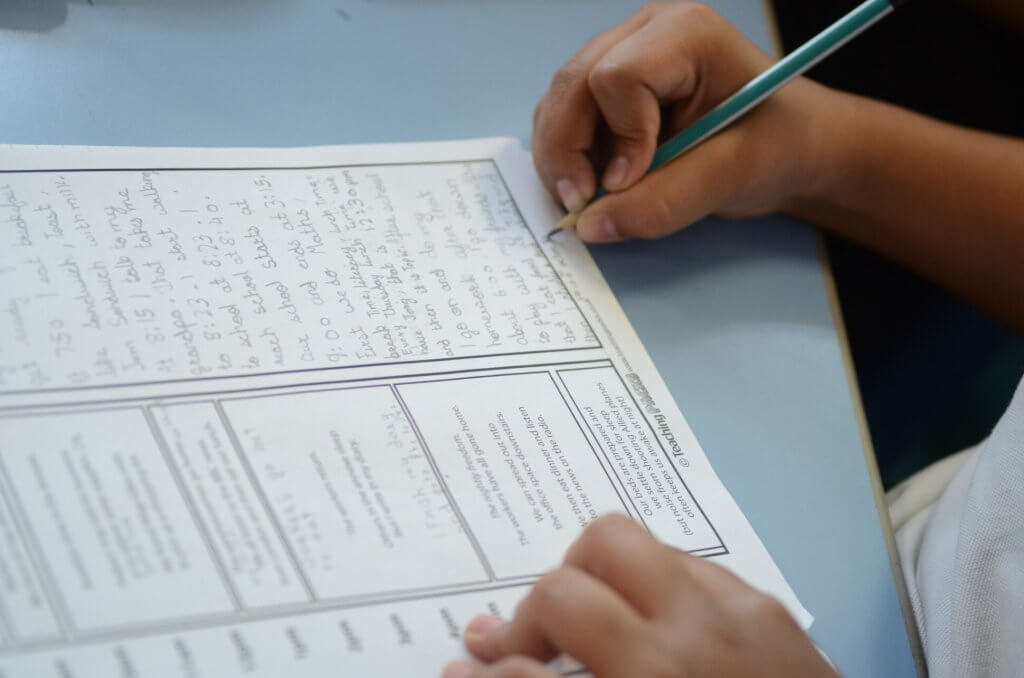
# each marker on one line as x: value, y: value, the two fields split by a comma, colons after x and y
x: 567, y: 222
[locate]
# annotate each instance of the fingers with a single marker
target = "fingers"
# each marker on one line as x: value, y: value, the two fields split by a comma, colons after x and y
x: 566, y: 121
x: 630, y: 83
x: 715, y: 579
x: 622, y: 79
x: 703, y: 620
x: 629, y: 559
x: 729, y: 590
x: 509, y: 667
x: 624, y: 555
x: 629, y: 87
x: 670, y: 198
x: 567, y: 611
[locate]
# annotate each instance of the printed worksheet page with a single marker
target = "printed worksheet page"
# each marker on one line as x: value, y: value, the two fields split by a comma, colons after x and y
x: 305, y: 412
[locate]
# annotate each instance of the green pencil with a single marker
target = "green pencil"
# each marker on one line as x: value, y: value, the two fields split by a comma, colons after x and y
x: 761, y: 87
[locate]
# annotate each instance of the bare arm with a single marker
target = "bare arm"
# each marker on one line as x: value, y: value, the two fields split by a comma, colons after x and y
x: 946, y: 201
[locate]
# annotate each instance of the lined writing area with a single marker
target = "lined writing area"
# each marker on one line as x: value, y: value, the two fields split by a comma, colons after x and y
x: 127, y: 276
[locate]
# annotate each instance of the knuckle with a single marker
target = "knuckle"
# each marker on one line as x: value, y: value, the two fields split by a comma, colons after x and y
x: 609, y: 77
x: 660, y: 6
x: 550, y: 589
x: 695, y: 12
x: 653, y: 220
x: 661, y: 215
x: 767, y: 610
x: 604, y: 530
x: 721, y: 633
x: 567, y: 77
x: 547, y: 151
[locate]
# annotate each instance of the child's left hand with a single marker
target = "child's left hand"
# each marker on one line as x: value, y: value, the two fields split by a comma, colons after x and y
x: 626, y: 605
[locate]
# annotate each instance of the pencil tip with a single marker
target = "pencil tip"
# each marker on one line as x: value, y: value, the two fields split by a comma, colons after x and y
x: 567, y: 222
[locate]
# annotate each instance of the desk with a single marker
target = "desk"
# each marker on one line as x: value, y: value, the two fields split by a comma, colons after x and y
x: 738, y: 317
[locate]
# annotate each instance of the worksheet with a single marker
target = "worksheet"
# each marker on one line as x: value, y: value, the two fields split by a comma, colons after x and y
x: 305, y: 412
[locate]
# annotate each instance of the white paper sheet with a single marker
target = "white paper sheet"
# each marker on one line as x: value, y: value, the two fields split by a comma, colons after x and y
x: 305, y: 412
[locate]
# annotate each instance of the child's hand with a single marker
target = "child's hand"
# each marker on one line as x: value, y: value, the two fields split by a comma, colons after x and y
x: 625, y: 605
x: 641, y: 82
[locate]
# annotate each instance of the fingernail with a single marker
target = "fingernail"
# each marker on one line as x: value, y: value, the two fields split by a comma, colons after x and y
x: 597, y: 228
x: 481, y: 626
x: 570, y: 195
x: 615, y: 174
x: 457, y: 669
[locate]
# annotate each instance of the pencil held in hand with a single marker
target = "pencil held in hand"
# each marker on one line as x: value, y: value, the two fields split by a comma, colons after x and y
x: 761, y: 87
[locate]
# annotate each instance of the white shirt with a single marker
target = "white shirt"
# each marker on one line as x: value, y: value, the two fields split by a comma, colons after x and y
x: 960, y: 534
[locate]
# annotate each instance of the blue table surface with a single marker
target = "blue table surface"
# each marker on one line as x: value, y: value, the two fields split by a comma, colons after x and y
x: 737, y: 316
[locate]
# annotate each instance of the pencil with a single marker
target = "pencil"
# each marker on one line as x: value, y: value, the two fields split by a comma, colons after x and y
x: 760, y: 88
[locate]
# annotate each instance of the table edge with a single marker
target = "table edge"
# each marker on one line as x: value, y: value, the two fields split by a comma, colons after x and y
x: 867, y: 447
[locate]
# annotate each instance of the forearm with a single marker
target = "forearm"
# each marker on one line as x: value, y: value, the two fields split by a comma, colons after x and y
x: 945, y: 201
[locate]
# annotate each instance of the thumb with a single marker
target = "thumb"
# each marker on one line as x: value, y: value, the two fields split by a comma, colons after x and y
x: 667, y: 200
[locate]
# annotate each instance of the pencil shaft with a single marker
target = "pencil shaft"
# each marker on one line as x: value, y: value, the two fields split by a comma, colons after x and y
x: 761, y: 87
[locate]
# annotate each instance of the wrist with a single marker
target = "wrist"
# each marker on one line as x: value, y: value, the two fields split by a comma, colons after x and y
x: 830, y: 150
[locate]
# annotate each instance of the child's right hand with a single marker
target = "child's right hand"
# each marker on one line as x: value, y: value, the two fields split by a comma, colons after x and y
x: 632, y: 87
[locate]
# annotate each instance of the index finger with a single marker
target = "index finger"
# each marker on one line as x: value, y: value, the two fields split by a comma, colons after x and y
x: 567, y: 611
x: 566, y: 119
x: 624, y: 555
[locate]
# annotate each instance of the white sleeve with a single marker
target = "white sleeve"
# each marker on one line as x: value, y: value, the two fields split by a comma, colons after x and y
x: 963, y: 555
